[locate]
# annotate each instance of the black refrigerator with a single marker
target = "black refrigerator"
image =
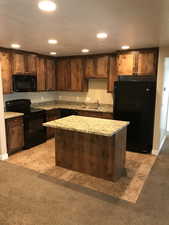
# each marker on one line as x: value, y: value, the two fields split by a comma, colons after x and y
x: 134, y: 101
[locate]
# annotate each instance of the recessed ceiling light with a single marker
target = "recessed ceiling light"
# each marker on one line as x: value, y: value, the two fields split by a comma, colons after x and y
x: 52, y: 53
x: 15, y: 46
x: 52, y: 41
x: 47, y: 5
x: 124, y: 47
x: 102, y: 35
x: 85, y: 50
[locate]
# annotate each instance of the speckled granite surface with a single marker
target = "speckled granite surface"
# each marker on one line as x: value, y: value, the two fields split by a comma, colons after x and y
x: 88, y: 125
x: 75, y: 105
x: 9, y: 115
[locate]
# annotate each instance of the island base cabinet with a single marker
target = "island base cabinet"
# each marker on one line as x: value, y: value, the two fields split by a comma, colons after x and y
x: 96, y: 155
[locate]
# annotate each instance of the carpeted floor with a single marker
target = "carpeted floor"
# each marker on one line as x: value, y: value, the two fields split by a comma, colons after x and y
x: 30, y: 198
x: 42, y: 159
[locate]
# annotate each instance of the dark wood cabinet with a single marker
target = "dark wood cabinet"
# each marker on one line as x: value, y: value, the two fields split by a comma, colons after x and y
x: 102, y: 66
x: 126, y: 63
x: 103, y: 115
x: 63, y: 74
x: 6, y: 72
x: 147, y: 62
x: 31, y: 63
x: 41, y: 73
x: 53, y: 114
x: 89, y: 67
x: 78, y: 82
x: 18, y: 63
x: 96, y: 66
x: 70, y: 74
x: 14, y: 134
x: 50, y: 75
x: 139, y: 62
x: 112, y: 76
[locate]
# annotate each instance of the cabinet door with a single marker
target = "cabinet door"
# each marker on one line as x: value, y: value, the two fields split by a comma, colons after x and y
x: 41, y: 74
x: 102, y: 63
x: 63, y: 75
x: 18, y: 63
x: 90, y: 67
x: 15, y: 134
x: 6, y: 72
x: 31, y: 63
x: 52, y: 115
x: 76, y: 74
x: 147, y: 62
x: 112, y: 77
x: 126, y: 64
x: 50, y: 75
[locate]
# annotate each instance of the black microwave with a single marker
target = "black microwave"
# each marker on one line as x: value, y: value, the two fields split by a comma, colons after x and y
x: 24, y: 83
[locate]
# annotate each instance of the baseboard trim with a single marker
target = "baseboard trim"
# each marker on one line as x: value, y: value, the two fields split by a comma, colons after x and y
x: 157, y: 151
x: 4, y: 156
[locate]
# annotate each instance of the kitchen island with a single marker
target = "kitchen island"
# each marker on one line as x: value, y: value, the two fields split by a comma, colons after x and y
x: 91, y: 145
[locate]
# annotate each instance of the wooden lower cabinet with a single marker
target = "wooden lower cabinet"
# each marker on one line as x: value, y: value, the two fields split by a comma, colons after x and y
x: 103, y: 115
x: 53, y: 114
x: 14, y: 134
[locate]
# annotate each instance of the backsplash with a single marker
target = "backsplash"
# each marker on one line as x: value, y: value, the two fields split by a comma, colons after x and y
x: 97, y: 92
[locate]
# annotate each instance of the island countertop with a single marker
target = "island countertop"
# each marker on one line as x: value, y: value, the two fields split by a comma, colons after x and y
x: 88, y: 125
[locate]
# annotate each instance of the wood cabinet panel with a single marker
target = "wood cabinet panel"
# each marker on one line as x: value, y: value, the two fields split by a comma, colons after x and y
x: 41, y: 74
x: 103, y: 115
x: 31, y: 63
x: 18, y: 63
x: 6, y: 72
x: 102, y: 66
x: 76, y: 74
x: 53, y: 114
x: 15, y: 134
x: 112, y: 77
x: 147, y: 63
x: 90, y: 67
x: 63, y: 75
x: 126, y: 64
x: 50, y: 75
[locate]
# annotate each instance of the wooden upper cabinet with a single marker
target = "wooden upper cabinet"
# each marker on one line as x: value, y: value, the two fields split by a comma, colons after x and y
x: 76, y: 74
x: 63, y: 75
x: 90, y: 67
x: 112, y: 76
x: 18, y: 63
x: 126, y: 63
x: 41, y: 73
x: 102, y: 66
x: 6, y: 72
x: 31, y: 63
x: 50, y: 75
x: 147, y: 62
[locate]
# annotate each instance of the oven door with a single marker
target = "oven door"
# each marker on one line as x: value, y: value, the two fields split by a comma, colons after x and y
x: 35, y: 132
x: 24, y: 83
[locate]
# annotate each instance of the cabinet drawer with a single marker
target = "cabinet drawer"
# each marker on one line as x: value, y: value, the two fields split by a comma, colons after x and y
x: 14, y: 122
x: 102, y: 115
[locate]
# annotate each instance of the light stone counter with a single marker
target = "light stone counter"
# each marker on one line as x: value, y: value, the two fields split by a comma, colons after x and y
x: 89, y: 125
x: 101, y: 108
x: 9, y: 115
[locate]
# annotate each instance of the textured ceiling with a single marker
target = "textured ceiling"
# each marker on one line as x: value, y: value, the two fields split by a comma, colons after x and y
x: 138, y: 23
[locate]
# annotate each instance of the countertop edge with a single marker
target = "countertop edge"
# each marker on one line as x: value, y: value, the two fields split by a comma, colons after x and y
x: 85, y: 132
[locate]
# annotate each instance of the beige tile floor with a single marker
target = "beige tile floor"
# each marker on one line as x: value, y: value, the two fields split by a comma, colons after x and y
x: 42, y: 159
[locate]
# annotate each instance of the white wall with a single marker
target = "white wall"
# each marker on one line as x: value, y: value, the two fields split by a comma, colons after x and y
x: 162, y: 99
x: 97, y: 92
x: 34, y: 96
x: 3, y: 148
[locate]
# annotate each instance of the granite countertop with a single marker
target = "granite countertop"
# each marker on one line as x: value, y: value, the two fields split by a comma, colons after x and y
x: 89, y: 125
x: 9, y: 115
x: 76, y: 106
